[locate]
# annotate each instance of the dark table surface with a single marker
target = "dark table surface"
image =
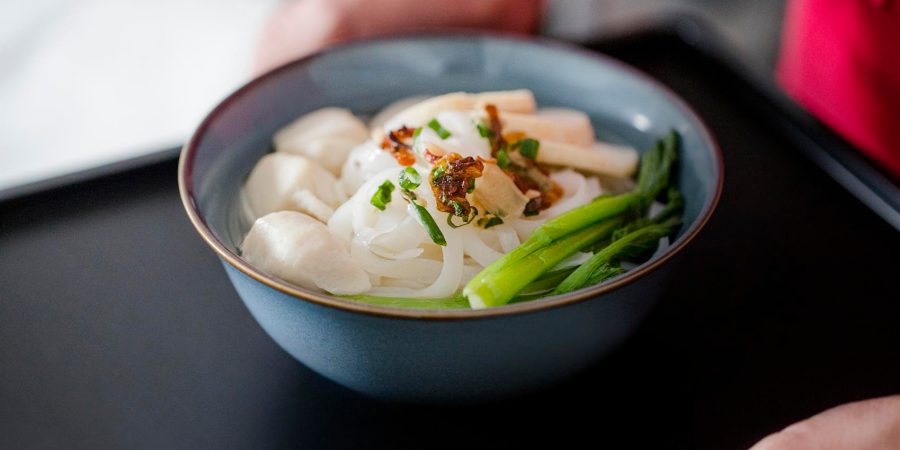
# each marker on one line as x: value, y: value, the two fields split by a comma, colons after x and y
x: 118, y: 327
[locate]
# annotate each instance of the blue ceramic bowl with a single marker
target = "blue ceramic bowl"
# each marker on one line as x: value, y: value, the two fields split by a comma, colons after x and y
x: 431, y: 355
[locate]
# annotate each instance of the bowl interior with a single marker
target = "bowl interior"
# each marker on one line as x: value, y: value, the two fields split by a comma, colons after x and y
x: 625, y: 106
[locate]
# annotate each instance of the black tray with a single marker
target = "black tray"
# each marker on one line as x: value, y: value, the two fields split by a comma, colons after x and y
x: 118, y: 327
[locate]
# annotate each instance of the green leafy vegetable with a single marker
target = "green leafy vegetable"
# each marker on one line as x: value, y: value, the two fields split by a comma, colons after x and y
x: 382, y: 195
x: 672, y: 209
x: 603, y: 265
x: 596, y: 275
x: 528, y: 148
x: 543, y: 285
x: 656, y: 165
x: 674, y: 206
x: 439, y: 129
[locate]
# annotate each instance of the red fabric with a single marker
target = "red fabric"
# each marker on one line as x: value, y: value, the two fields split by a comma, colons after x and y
x: 840, y: 59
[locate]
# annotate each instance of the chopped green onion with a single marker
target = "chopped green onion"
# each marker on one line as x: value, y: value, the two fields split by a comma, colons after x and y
x: 484, y: 131
x: 457, y: 208
x: 466, y: 220
x: 410, y: 178
x: 503, y: 160
x: 459, y: 211
x: 471, y: 187
x: 528, y: 147
x: 439, y: 129
x: 428, y: 222
x: 437, y: 172
x: 410, y: 196
x: 489, y: 221
x: 382, y: 195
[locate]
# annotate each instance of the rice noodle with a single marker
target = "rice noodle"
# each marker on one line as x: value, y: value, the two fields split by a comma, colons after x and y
x: 477, y: 249
x: 446, y: 283
x: 364, y: 162
x: 402, y: 241
x: 578, y: 191
x: 507, y: 237
x: 390, y: 243
x: 421, y: 271
x: 524, y: 227
x: 341, y: 222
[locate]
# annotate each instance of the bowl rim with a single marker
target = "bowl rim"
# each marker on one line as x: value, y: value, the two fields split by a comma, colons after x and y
x: 185, y: 172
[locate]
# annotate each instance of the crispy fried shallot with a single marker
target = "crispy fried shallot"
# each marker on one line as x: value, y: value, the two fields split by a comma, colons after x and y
x: 452, y: 178
x: 397, y: 142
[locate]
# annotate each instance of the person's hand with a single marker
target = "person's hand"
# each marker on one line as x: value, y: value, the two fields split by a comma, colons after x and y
x: 868, y: 425
x: 301, y: 27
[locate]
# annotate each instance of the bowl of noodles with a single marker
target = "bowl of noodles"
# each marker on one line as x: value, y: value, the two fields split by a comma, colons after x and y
x: 450, y: 218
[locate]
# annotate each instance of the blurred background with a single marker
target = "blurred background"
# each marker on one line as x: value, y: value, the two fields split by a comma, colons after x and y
x: 89, y: 82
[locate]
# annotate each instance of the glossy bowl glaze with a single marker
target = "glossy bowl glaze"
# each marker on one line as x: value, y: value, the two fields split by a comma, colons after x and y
x: 432, y: 355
